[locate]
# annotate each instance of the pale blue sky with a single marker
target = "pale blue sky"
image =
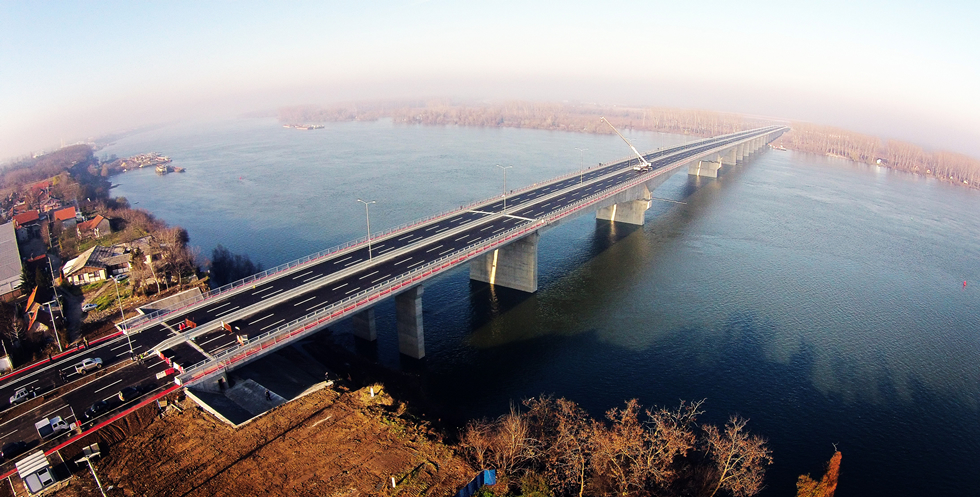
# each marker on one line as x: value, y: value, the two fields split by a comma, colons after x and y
x: 69, y: 70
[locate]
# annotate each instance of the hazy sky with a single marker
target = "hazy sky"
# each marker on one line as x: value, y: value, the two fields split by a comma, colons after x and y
x: 70, y: 70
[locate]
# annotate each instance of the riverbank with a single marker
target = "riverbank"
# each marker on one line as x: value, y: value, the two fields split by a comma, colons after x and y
x: 584, y: 118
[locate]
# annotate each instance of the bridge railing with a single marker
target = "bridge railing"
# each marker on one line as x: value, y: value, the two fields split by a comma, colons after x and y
x: 345, y: 306
x: 148, y: 318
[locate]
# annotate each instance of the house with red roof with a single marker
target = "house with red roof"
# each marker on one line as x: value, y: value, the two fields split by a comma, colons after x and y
x: 97, y: 227
x: 66, y: 217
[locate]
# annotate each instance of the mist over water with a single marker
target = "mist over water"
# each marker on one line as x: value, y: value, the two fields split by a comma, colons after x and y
x: 822, y: 299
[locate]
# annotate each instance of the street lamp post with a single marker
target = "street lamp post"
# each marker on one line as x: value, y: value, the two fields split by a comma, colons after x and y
x: 504, y: 169
x: 582, y: 151
x: 367, y: 214
x: 122, y: 317
x: 56, y: 337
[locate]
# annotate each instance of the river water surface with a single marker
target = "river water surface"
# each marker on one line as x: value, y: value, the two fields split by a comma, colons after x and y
x: 820, y: 298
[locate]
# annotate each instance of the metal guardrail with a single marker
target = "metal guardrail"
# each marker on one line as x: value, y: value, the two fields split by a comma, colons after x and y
x: 201, y: 370
x: 146, y: 319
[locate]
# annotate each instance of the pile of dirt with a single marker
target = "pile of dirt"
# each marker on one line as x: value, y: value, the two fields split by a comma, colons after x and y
x: 326, y: 443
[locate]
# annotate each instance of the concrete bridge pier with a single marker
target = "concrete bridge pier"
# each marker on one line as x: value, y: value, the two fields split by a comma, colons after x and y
x: 730, y: 157
x: 408, y: 309
x: 630, y: 211
x: 365, y: 326
x: 514, y: 265
x: 705, y: 168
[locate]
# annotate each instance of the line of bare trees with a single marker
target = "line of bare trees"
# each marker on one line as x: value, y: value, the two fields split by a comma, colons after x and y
x: 826, y: 140
x: 634, y: 451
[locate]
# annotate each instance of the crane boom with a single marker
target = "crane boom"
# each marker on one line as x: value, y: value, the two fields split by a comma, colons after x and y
x: 643, y: 165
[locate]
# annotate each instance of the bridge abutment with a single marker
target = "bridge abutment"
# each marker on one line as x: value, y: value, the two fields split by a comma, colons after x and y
x: 631, y: 212
x: 408, y: 309
x: 365, y: 326
x: 514, y: 265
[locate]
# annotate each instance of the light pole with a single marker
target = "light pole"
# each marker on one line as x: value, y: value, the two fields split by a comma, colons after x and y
x: 505, y: 182
x: 367, y: 214
x: 582, y: 151
x: 88, y: 459
x: 56, y: 337
x: 123, y: 317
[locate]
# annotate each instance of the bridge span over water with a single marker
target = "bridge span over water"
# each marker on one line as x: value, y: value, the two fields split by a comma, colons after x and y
x: 496, y: 238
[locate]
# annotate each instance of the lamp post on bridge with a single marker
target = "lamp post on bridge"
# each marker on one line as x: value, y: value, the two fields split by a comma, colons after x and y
x: 504, y: 169
x: 367, y: 214
x: 582, y: 151
x: 122, y: 316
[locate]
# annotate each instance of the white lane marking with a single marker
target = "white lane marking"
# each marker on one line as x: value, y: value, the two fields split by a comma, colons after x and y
x: 315, y: 306
x: 498, y: 230
x: 413, y: 265
x: 384, y: 250
x: 211, y: 340
x: 271, y: 294
x: 332, y: 289
x: 487, y: 227
x: 381, y: 278
x: 48, y: 415
x: 8, y: 434
x: 352, y: 262
x: 28, y: 383
x: 344, y: 259
x: 304, y: 301
x: 266, y: 289
x: 307, y: 280
x: 226, y: 312
x: 273, y: 324
x: 260, y: 319
x: 107, y: 386
x: 119, y: 346
x: 446, y: 251
x: 434, y: 248
x: 369, y: 274
x: 460, y: 238
x: 406, y: 236
x: 443, y: 229
x: 403, y: 261
x: 220, y: 306
x: 432, y: 227
x: 298, y: 276
x: 352, y: 290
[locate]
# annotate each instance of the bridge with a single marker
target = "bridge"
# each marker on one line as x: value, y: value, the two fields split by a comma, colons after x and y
x: 235, y: 324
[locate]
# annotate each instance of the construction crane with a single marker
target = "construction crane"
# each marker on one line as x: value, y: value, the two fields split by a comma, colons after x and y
x: 643, y: 165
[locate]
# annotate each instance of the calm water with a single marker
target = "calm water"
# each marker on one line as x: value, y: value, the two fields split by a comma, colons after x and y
x: 821, y: 298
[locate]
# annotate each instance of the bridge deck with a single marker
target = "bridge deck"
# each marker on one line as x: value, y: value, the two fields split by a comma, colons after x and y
x: 321, y: 286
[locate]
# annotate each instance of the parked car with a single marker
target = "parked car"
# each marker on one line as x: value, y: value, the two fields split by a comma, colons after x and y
x: 89, y: 307
x: 96, y: 410
x: 129, y: 393
x: 11, y: 450
x: 23, y: 394
x: 88, y: 365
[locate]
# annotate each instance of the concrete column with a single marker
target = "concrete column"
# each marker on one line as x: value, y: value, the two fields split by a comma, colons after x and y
x: 730, y: 157
x: 408, y: 307
x: 514, y: 265
x: 704, y: 168
x: 740, y: 152
x: 632, y: 212
x: 364, y: 325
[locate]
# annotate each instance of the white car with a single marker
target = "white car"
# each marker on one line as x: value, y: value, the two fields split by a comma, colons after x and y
x: 89, y: 307
x: 88, y: 364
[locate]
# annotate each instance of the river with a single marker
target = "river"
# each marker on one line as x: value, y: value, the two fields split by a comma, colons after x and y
x: 821, y: 298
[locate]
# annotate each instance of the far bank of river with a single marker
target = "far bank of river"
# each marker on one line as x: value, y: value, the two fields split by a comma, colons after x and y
x: 820, y: 298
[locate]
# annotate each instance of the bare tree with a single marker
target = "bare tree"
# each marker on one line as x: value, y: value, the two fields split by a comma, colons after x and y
x: 478, y: 438
x: 807, y: 487
x: 739, y: 459
x: 562, y: 430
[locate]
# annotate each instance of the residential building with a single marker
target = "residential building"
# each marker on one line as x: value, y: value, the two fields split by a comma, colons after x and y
x: 11, y: 266
x: 96, y: 227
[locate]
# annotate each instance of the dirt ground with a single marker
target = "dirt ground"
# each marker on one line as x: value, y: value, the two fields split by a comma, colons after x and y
x: 329, y: 443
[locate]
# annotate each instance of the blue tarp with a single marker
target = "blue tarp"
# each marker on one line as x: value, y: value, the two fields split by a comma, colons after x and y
x: 485, y: 477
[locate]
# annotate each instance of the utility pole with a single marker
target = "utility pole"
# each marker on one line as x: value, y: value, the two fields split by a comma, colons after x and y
x: 122, y: 317
x: 367, y: 214
x: 505, y: 182
x: 582, y: 152
x: 55, y: 327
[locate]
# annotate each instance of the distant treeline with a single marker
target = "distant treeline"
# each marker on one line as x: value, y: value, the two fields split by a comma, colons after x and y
x: 582, y: 118
x: 825, y: 140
